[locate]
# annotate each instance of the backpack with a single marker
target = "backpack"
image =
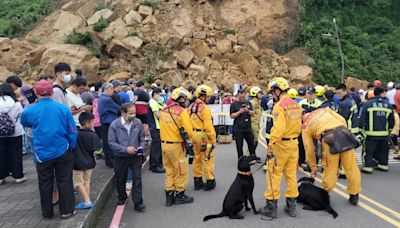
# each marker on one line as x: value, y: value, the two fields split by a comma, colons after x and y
x: 7, y: 125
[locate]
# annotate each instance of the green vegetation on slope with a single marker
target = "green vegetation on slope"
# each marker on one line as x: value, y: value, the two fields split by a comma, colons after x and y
x: 20, y: 16
x: 369, y: 31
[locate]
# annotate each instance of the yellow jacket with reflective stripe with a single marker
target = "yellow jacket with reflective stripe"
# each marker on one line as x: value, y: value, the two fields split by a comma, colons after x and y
x: 256, y: 119
x: 203, y: 119
x: 287, y: 120
x: 168, y: 129
x: 314, y: 125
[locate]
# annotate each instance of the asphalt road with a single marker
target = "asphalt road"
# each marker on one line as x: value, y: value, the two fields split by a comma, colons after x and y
x: 379, y: 207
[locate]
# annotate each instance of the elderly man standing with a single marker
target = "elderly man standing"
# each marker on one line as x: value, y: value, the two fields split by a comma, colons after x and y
x: 55, y: 135
x: 126, y: 139
x: 109, y: 111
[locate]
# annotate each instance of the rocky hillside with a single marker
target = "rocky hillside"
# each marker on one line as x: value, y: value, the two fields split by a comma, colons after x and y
x: 218, y: 42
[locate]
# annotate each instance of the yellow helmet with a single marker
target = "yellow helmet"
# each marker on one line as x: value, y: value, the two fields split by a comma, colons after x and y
x: 292, y: 93
x: 278, y: 82
x: 180, y: 92
x: 203, y: 90
x: 254, y: 91
x: 319, y: 90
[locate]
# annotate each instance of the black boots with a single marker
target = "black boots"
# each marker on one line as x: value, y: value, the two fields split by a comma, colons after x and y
x: 170, y: 196
x: 290, y: 207
x: 210, y: 185
x: 198, y: 183
x: 353, y: 199
x: 181, y: 198
x: 270, y: 209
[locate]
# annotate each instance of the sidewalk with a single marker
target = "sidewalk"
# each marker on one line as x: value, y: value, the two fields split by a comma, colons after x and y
x: 20, y: 203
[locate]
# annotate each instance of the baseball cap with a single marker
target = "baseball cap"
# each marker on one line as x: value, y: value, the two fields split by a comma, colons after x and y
x: 311, y: 89
x: 117, y: 83
x: 132, y: 81
x: 302, y: 91
x: 43, y: 88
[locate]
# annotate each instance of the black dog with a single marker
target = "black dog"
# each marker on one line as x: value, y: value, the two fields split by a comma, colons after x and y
x: 240, y: 191
x: 313, y: 197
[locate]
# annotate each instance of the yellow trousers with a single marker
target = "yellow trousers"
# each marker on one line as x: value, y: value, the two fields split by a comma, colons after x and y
x: 176, y: 167
x: 201, y: 167
x: 330, y: 162
x: 255, y: 132
x: 286, y: 158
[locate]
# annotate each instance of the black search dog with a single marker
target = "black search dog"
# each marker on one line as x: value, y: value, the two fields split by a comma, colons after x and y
x: 240, y: 192
x: 313, y: 197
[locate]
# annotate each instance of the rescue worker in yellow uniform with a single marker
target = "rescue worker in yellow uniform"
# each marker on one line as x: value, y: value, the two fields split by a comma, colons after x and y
x: 283, y: 146
x: 204, y: 139
x: 175, y: 119
x: 315, y: 125
x: 256, y: 95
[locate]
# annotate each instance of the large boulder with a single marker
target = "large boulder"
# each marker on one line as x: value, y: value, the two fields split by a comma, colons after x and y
x: 75, y: 55
x: 5, y: 44
x: 123, y: 48
x: 301, y: 74
x: 200, y: 48
x: 133, y: 18
x: 251, y: 67
x: 104, y: 13
x: 116, y: 29
x: 122, y: 76
x: 184, y: 57
x: 356, y: 83
x: 172, y: 77
x: 4, y: 73
x: 67, y: 22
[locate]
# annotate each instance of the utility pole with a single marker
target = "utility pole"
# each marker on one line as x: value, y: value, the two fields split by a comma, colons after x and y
x: 340, y: 51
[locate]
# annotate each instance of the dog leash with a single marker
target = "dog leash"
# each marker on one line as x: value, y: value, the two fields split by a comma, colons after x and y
x: 270, y: 182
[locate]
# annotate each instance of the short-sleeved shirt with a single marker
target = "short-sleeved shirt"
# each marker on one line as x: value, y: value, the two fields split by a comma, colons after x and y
x: 242, y: 123
x: 154, y: 107
x: 75, y: 100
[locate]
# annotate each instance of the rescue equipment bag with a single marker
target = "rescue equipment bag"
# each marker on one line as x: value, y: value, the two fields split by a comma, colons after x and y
x: 340, y: 140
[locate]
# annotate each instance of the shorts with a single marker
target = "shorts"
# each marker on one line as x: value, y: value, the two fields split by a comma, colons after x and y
x: 142, y: 118
x: 81, y: 177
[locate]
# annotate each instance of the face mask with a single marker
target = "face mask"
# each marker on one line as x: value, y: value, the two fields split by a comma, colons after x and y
x: 131, y: 117
x: 67, y: 78
x: 160, y: 100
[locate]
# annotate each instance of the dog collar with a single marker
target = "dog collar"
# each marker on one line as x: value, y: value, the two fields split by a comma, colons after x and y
x: 245, y: 173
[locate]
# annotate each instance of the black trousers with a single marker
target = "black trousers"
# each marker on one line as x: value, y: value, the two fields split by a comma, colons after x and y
x: 155, y: 150
x: 108, y: 153
x: 11, y: 157
x: 378, y: 149
x: 98, y: 131
x: 248, y: 136
x: 121, y: 165
x: 302, y: 151
x: 61, y: 167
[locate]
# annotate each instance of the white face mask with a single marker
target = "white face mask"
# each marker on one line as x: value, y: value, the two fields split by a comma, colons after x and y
x: 131, y: 117
x: 160, y: 99
x: 67, y: 78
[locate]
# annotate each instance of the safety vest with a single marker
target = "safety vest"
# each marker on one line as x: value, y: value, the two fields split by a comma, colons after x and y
x: 374, y: 112
x: 308, y: 106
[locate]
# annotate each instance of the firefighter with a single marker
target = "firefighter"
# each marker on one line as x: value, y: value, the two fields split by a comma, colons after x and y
x: 315, y: 124
x: 293, y: 93
x: 256, y: 95
x: 204, y: 139
x: 320, y: 91
x: 349, y: 111
x: 377, y: 120
x: 175, y: 119
x: 283, y: 149
x: 311, y: 102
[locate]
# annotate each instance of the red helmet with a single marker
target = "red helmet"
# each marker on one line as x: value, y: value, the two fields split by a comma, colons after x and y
x: 377, y: 83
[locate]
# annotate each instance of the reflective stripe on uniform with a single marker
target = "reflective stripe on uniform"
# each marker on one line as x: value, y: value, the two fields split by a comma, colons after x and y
x: 350, y: 122
x: 371, y: 131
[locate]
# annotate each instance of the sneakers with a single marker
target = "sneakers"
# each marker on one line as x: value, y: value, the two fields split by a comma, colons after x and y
x: 182, y: 198
x: 20, y: 180
x: 367, y: 170
x: 67, y: 216
x: 383, y: 168
x: 140, y: 207
x: 353, y: 199
x: 82, y: 205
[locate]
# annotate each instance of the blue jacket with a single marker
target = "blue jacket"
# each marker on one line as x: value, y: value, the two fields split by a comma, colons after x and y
x: 108, y: 109
x: 124, y: 97
x: 53, y: 127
